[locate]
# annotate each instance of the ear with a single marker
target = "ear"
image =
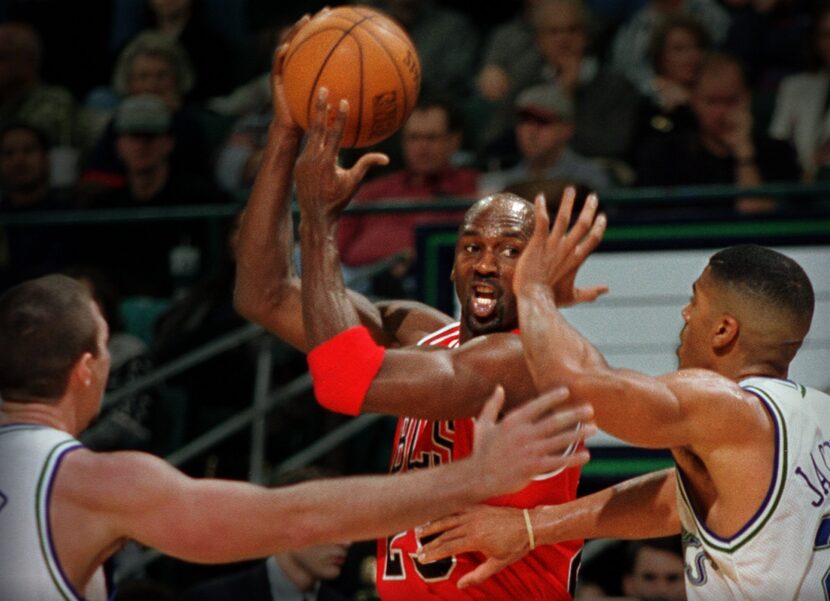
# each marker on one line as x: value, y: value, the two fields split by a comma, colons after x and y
x: 726, y: 332
x: 452, y: 274
x: 81, y: 374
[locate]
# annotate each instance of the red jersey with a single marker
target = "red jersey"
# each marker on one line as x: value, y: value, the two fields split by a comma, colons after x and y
x: 548, y: 573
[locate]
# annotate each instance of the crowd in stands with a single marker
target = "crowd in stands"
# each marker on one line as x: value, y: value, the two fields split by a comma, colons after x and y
x: 114, y: 104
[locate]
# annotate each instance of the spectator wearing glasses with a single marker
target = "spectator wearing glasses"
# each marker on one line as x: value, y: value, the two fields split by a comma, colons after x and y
x: 543, y: 133
x: 430, y: 140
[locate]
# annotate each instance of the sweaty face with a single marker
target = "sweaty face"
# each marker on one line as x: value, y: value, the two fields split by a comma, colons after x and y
x: 493, y: 235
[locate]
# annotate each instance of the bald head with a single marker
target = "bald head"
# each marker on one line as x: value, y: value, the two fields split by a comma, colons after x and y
x: 500, y: 206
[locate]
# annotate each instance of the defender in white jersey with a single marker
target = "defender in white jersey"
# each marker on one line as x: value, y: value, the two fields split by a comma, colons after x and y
x: 65, y: 509
x: 783, y: 551
x: 752, y: 449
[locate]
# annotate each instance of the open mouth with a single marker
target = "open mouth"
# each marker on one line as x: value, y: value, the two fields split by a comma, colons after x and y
x: 483, y: 301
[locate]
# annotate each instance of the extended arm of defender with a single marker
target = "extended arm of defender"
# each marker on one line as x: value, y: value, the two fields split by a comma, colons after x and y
x: 682, y: 409
x: 219, y: 521
x: 643, y: 507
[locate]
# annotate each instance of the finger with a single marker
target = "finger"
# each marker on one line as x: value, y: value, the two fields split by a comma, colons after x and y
x: 493, y: 406
x: 443, y: 547
x: 563, y: 215
x: 564, y: 421
x: 542, y: 224
x: 279, y: 59
x: 546, y: 401
x: 583, y: 224
x: 321, y: 110
x: 482, y: 572
x: 366, y: 162
x: 334, y: 133
x: 440, y: 525
x: 589, y: 295
x: 301, y: 22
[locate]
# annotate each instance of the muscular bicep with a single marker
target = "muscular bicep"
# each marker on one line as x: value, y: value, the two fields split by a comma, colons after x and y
x: 688, y: 408
x: 450, y: 383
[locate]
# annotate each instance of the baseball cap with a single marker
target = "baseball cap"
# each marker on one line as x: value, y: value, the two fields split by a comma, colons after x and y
x: 545, y: 102
x: 142, y: 114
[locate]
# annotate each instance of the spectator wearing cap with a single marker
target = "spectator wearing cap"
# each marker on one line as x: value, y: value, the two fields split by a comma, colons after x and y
x: 543, y: 132
x: 153, y: 63
x: 145, y: 145
x: 605, y: 104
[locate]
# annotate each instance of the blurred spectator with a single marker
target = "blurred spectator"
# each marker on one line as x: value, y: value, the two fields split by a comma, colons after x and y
x: 631, y: 42
x: 543, y: 133
x: 153, y: 64
x: 430, y: 138
x: 23, y: 96
x: 723, y: 149
x: 29, y: 250
x: 802, y: 106
x: 145, y: 144
x: 446, y: 40
x: 210, y: 32
x: 126, y: 424
x: 655, y: 570
x: 511, y: 60
x: 605, y: 103
x: 289, y: 576
x: 676, y: 55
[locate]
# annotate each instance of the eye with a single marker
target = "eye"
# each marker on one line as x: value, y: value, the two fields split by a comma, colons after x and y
x: 470, y: 248
x: 510, y: 252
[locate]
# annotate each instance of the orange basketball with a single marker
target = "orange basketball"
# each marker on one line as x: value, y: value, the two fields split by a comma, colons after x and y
x: 359, y: 54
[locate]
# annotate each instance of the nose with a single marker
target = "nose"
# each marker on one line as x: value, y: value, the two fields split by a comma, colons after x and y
x: 684, y: 312
x: 486, y: 263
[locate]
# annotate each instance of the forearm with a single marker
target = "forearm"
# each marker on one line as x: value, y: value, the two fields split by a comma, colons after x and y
x: 327, y: 310
x: 643, y: 507
x: 556, y: 353
x: 266, y: 240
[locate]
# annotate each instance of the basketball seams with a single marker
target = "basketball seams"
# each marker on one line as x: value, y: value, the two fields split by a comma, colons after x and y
x: 363, y: 72
x: 394, y: 62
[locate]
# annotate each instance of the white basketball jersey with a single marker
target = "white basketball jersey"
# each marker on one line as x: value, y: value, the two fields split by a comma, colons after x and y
x: 29, y: 568
x: 783, y: 552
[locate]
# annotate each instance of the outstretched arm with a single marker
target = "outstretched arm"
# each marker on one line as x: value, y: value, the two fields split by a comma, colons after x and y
x: 101, y: 499
x: 692, y: 409
x: 267, y: 289
x: 643, y: 507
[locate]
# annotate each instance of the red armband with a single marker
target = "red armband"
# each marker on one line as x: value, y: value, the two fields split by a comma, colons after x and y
x: 343, y: 368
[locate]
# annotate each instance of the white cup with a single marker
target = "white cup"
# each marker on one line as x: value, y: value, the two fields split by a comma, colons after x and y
x: 63, y: 164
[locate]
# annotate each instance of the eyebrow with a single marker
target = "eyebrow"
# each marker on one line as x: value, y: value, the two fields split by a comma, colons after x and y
x: 513, y: 233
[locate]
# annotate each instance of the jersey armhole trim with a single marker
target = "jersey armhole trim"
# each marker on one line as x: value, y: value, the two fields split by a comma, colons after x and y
x: 44, y: 494
x: 771, y: 499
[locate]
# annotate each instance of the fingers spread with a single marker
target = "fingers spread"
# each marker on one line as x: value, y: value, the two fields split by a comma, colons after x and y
x: 493, y: 406
x: 563, y: 215
x: 334, y: 133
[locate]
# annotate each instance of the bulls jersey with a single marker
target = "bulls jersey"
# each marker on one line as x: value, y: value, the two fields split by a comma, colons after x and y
x: 546, y: 573
x: 783, y: 552
x: 29, y: 567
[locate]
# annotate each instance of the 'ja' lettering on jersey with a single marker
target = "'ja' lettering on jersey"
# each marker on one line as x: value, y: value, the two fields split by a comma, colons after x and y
x: 783, y: 552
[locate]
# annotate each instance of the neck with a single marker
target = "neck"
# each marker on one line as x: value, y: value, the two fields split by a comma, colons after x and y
x: 295, y: 572
x: 145, y: 184
x: 53, y: 415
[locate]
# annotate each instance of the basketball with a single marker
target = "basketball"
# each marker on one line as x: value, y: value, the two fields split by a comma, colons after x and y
x: 359, y: 54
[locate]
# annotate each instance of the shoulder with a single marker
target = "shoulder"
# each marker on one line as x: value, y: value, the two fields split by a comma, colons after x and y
x: 408, y: 322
